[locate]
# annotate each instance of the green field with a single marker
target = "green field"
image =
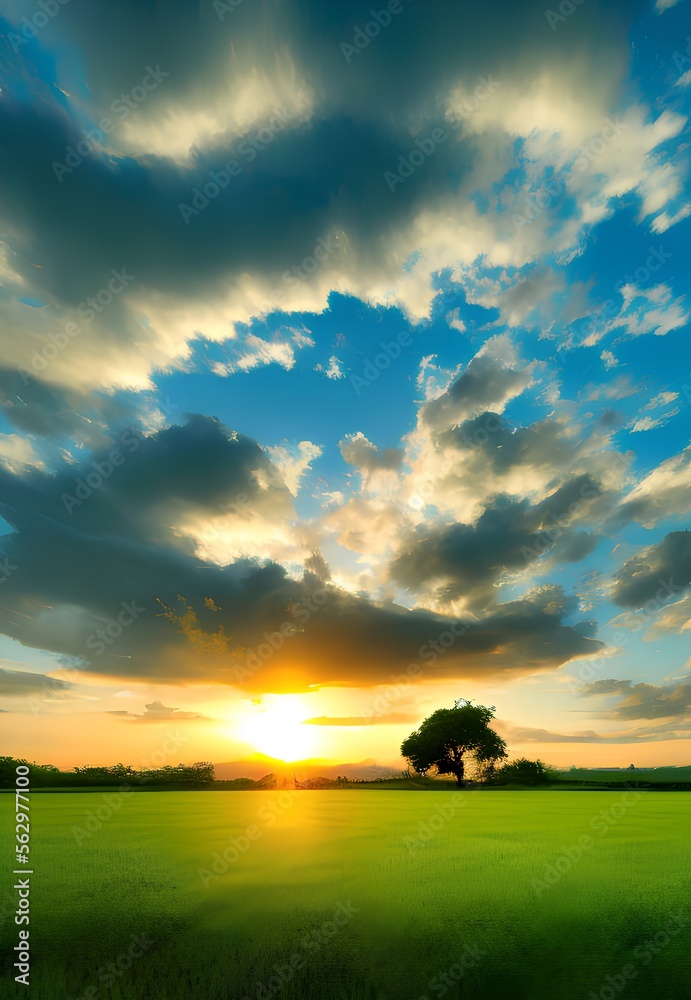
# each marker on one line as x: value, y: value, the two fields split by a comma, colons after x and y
x: 432, y: 895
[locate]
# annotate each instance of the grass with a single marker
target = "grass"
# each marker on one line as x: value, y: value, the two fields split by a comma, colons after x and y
x: 412, y: 905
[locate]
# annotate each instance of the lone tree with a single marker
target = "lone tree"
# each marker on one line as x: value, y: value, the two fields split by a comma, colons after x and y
x: 449, y: 736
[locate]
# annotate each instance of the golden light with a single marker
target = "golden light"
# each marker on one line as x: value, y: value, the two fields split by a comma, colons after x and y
x: 275, y: 727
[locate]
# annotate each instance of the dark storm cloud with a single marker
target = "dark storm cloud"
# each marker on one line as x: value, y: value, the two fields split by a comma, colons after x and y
x: 36, y: 408
x: 485, y: 382
x: 644, y: 701
x: 22, y: 682
x: 106, y: 565
x: 543, y: 444
x: 655, y: 573
x: 137, y: 486
x: 468, y: 560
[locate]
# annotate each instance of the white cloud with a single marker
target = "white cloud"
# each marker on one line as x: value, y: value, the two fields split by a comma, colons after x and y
x: 664, y: 492
x: 650, y: 423
x: 294, y: 461
x: 256, y: 352
x: 662, y: 399
x: 17, y: 453
x: 454, y: 320
x: 643, y: 311
x: 334, y: 369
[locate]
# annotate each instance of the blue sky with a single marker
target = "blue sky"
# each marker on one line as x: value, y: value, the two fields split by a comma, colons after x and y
x: 164, y: 189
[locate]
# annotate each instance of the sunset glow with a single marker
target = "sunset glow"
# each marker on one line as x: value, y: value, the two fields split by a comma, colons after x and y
x: 275, y: 728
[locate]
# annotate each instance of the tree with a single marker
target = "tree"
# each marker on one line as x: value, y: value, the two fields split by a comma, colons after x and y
x: 487, y: 756
x: 449, y: 735
x: 525, y: 772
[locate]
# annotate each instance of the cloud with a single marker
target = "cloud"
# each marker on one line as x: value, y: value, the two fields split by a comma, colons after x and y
x: 673, y: 730
x: 253, y: 352
x: 468, y: 562
x: 390, y: 719
x: 156, y: 711
x: 491, y: 379
x: 358, y: 451
x: 367, y: 526
x: 655, y: 573
x: 650, y: 423
x: 643, y: 311
x: 312, y: 148
x: 334, y: 369
x: 294, y: 461
x: 129, y: 545
x: 662, y: 399
x: 466, y: 502
x: 17, y: 453
x: 20, y: 683
x: 454, y: 320
x: 673, y: 619
x: 644, y: 701
x: 664, y: 492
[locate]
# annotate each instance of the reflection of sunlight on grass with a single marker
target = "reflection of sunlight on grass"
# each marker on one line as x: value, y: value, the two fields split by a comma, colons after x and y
x: 275, y: 728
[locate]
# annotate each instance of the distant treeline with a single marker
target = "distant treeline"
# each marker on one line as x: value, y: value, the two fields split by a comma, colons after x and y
x: 48, y: 776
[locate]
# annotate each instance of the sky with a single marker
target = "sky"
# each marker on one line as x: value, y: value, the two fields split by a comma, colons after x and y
x: 345, y: 373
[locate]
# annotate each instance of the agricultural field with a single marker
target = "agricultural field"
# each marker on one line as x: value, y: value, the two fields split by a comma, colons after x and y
x: 528, y: 895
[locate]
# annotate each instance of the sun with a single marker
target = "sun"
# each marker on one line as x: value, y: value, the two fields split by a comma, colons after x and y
x: 275, y: 727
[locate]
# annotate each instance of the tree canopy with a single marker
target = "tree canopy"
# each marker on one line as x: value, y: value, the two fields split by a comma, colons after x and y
x: 525, y: 772
x: 449, y: 737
